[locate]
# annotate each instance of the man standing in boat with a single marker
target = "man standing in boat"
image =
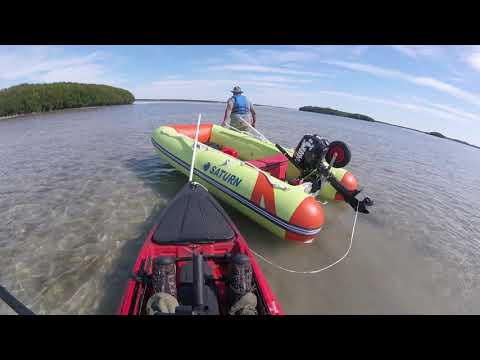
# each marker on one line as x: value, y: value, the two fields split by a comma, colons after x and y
x: 239, y: 108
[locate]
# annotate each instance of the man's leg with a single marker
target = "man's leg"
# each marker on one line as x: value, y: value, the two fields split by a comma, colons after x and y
x: 246, y: 305
x: 238, y: 122
x: 161, y: 302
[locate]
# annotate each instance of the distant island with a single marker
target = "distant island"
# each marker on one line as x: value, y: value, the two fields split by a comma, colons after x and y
x: 440, y: 135
x: 35, y: 98
x: 334, y: 112
x: 330, y: 111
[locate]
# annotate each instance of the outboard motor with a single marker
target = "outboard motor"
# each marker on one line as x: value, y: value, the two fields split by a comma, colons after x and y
x: 314, y: 156
x: 309, y: 153
x: 312, y: 150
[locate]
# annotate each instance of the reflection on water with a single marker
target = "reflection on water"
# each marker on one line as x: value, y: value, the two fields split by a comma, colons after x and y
x: 79, y: 191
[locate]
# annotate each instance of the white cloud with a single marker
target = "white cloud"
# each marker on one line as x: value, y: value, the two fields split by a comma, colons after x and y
x: 329, y: 50
x: 242, y: 56
x: 417, y: 80
x: 262, y: 69
x: 271, y: 56
x: 406, y: 50
x: 457, y: 79
x: 84, y: 73
x: 279, y: 79
x: 50, y: 64
x: 403, y: 105
x: 452, y: 57
x: 457, y: 113
x: 360, y: 49
x: 417, y: 51
x: 371, y: 69
x: 204, y: 89
x: 447, y: 88
x: 435, y: 111
x: 285, y: 56
x: 474, y: 59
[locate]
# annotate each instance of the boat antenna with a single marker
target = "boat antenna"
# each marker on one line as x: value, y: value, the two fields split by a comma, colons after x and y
x: 263, y: 137
x: 192, y: 166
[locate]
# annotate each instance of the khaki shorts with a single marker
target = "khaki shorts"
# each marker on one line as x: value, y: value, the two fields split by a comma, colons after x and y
x: 239, y: 124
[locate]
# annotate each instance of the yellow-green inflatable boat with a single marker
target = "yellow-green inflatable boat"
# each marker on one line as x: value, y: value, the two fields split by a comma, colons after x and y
x: 251, y: 175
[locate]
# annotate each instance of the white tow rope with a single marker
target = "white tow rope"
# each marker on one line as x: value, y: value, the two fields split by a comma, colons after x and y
x: 316, y: 271
x: 283, y: 268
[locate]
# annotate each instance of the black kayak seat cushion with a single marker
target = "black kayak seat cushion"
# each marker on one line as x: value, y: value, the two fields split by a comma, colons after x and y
x: 185, y: 289
x: 193, y: 216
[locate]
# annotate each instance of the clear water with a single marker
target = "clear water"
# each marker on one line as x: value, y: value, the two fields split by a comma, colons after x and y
x: 80, y: 189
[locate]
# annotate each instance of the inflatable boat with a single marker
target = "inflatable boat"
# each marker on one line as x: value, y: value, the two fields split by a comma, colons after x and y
x: 273, y: 186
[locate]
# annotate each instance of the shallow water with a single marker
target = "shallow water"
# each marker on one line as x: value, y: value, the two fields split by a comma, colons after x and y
x: 80, y: 189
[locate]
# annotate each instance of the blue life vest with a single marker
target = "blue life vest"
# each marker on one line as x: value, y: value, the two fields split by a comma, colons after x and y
x: 240, y: 105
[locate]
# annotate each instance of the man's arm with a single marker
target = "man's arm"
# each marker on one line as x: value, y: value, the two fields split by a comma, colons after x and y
x: 228, y: 111
x: 254, y: 115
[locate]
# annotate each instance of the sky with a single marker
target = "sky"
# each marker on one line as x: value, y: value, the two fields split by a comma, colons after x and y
x: 430, y: 88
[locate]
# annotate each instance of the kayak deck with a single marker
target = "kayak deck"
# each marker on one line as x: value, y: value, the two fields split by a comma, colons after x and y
x: 195, y: 224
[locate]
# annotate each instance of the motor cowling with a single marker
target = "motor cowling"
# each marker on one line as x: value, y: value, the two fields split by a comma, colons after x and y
x: 310, y: 151
x: 314, y: 153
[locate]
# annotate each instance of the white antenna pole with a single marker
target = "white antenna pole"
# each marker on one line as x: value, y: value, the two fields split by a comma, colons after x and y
x: 192, y: 166
x: 255, y: 130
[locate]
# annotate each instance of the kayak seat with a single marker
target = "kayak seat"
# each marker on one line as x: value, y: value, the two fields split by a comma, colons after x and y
x: 275, y: 165
x: 185, y: 288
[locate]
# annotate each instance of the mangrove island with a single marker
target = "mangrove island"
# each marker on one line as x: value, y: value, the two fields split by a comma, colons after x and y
x: 330, y: 111
x: 440, y: 135
x: 334, y: 112
x: 35, y: 98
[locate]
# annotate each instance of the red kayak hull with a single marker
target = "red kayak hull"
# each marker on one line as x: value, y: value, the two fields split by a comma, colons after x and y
x: 150, y: 250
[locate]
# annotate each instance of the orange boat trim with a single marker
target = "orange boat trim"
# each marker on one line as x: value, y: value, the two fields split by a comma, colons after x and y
x: 204, y: 133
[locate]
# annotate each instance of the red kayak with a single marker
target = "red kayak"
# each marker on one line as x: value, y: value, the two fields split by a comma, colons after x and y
x: 198, y: 258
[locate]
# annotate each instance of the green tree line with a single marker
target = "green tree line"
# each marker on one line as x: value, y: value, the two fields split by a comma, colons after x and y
x: 32, y: 98
x: 329, y: 111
